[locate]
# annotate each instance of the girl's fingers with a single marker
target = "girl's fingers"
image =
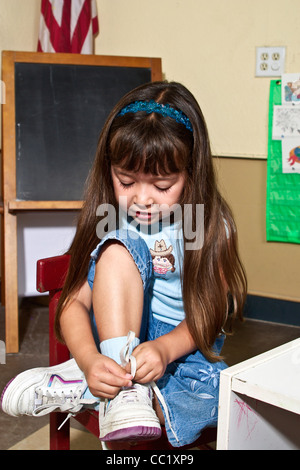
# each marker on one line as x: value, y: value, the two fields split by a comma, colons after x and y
x: 120, y: 373
x: 111, y: 367
x: 107, y: 378
x: 145, y: 374
x: 105, y: 391
x: 109, y: 385
x: 116, y: 381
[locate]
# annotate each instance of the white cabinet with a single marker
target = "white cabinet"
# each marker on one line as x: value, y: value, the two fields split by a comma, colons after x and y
x: 259, y: 406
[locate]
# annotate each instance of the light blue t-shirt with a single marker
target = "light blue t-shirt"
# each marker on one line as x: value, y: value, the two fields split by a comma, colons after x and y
x: 165, y: 243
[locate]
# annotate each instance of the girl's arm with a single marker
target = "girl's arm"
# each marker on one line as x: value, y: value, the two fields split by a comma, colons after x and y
x: 104, y: 376
x: 154, y: 356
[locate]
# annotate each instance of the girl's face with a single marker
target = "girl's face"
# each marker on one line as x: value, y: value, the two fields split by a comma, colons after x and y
x: 146, y: 197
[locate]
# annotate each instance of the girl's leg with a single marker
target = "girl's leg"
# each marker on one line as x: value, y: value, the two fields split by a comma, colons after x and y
x: 118, y: 304
x: 118, y: 297
x: 118, y: 293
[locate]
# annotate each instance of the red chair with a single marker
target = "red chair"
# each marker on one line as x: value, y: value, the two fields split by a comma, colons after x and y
x: 51, y: 274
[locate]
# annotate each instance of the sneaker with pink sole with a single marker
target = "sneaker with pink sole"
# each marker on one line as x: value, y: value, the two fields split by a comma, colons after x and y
x: 130, y: 415
x: 40, y: 391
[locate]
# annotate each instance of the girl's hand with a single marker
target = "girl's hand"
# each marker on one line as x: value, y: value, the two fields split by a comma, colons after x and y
x: 104, y: 376
x: 151, y: 360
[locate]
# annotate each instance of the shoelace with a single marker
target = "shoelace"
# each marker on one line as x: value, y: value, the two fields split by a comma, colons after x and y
x: 71, y: 401
x: 125, y: 359
x: 129, y: 394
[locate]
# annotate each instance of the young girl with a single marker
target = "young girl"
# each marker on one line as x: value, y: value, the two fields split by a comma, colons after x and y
x: 131, y: 323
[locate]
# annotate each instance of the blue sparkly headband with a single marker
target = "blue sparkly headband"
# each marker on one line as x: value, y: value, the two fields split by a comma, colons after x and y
x: 154, y: 107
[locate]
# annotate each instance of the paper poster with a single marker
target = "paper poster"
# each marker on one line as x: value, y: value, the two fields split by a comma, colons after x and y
x: 286, y: 122
x: 290, y: 155
x: 290, y: 89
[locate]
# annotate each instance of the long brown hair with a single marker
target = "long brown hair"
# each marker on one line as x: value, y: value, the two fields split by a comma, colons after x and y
x: 213, y: 278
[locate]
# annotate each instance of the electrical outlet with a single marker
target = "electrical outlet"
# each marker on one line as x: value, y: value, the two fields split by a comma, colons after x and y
x: 270, y: 61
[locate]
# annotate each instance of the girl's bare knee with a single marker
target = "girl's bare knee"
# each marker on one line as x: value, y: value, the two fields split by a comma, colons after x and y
x: 113, y: 251
x: 115, y: 256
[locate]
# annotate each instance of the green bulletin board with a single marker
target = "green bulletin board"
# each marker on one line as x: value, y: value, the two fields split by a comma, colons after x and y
x: 283, y: 189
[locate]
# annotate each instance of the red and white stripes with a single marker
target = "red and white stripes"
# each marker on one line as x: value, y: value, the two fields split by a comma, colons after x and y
x: 68, y: 26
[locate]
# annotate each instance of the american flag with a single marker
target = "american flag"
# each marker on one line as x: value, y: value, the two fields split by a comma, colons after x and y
x: 68, y: 26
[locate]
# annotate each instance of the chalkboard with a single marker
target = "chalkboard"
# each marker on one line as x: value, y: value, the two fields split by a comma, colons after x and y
x: 60, y: 110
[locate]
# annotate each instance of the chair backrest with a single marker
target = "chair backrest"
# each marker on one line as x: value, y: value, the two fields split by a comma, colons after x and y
x: 51, y: 273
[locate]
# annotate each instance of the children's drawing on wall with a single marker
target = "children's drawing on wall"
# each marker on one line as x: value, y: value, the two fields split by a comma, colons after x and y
x: 290, y: 88
x: 286, y: 122
x: 291, y: 155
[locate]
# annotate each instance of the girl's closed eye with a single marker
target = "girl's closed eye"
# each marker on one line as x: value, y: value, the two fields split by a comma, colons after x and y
x: 125, y: 185
x: 163, y: 190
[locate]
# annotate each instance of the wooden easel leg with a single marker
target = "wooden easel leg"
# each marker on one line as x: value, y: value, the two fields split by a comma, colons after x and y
x: 11, y: 283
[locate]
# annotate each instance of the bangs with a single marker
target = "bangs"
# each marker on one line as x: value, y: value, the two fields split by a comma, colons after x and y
x: 140, y: 147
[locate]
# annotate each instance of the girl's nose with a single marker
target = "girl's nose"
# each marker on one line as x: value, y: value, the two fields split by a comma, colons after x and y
x: 143, y: 197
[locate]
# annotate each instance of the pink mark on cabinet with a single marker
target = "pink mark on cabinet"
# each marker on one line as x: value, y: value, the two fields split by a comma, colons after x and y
x: 246, y: 415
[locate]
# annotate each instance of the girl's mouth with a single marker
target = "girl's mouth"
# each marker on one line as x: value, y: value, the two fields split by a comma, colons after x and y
x: 143, y: 215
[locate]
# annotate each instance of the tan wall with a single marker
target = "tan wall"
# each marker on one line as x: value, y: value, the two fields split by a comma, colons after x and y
x: 210, y: 47
x: 207, y: 45
x: 272, y: 268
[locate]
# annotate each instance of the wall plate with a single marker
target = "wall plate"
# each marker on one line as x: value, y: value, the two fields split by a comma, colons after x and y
x: 270, y: 61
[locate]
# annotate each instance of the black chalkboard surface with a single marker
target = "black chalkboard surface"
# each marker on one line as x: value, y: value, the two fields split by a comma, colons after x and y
x: 59, y: 112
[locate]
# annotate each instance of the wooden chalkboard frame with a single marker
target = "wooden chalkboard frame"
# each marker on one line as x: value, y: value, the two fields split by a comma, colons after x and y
x: 11, y: 205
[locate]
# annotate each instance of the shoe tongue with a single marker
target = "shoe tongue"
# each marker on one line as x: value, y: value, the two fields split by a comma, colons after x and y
x: 132, y: 393
x: 127, y: 393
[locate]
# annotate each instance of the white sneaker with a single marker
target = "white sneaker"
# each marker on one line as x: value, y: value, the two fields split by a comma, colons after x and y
x: 130, y: 415
x: 40, y: 391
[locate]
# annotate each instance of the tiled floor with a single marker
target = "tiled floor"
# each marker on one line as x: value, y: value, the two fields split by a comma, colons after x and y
x: 249, y: 339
